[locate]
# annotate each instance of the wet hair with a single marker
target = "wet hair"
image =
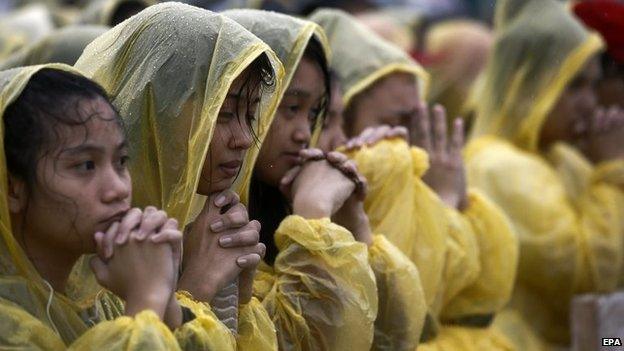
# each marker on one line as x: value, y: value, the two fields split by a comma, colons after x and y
x: 31, y: 122
x: 266, y: 203
x: 314, y: 52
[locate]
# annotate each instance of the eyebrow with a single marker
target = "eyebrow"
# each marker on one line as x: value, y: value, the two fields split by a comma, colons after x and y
x: 88, y: 147
x: 297, y: 92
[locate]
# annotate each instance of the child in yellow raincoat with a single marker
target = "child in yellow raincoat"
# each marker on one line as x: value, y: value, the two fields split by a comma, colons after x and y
x: 65, y: 185
x: 466, y: 258
x: 190, y: 82
x: 317, y: 283
x: 535, y: 104
x: 401, y: 302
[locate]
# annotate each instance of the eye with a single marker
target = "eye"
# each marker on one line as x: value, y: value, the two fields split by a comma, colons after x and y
x: 123, y: 160
x: 85, y: 166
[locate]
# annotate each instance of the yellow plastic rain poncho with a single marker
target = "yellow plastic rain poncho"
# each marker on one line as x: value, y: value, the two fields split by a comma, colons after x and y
x: 103, y: 12
x: 320, y: 292
x: 62, y: 46
x: 168, y: 71
x: 458, y: 51
x: 33, y: 315
x: 564, y: 211
x: 466, y: 260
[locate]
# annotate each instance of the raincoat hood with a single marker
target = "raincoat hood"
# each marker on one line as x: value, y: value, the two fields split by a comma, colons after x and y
x: 288, y: 36
x: 539, y: 49
x: 360, y: 56
x: 20, y: 282
x: 168, y: 70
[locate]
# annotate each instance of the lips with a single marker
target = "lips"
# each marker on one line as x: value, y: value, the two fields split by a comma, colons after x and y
x: 117, y: 217
x: 292, y: 157
x: 230, y: 168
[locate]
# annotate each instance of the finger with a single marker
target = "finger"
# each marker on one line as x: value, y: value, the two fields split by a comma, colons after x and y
x: 99, y: 248
x: 152, y: 222
x: 109, y: 239
x: 248, y: 261
x: 100, y: 270
x: 225, y: 198
x: 171, y: 236
x: 171, y: 223
x: 336, y: 158
x: 361, y: 188
x: 290, y: 175
x: 349, y: 168
x: 379, y: 133
x: 128, y: 223
x: 439, y: 130
x: 421, y: 128
x: 457, y: 139
x: 366, y: 133
x: 243, y: 238
x: 397, y: 132
x: 236, y: 217
x: 311, y: 154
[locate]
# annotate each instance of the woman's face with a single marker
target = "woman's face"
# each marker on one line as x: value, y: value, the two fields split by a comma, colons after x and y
x: 291, y: 129
x: 333, y: 134
x: 232, y: 137
x: 392, y: 101
x: 575, y: 105
x: 82, y: 183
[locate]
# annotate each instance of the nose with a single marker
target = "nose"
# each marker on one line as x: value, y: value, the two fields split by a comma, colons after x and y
x: 117, y: 186
x: 241, y: 136
x: 302, y: 133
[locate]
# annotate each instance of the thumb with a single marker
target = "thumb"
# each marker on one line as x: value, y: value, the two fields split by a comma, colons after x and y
x: 100, y: 269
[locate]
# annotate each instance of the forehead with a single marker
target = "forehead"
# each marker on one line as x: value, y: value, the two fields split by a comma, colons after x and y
x: 396, y: 88
x: 308, y: 78
x: 94, y: 120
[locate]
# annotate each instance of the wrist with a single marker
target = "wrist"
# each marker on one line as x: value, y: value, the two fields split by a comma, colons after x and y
x: 202, y: 288
x: 362, y: 231
x: 154, y: 301
x: 173, y: 313
x: 310, y: 209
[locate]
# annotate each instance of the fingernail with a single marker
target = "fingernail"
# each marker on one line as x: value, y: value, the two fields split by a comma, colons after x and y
x: 241, y: 261
x: 225, y: 241
x: 220, y: 201
x: 216, y: 225
x: 119, y: 239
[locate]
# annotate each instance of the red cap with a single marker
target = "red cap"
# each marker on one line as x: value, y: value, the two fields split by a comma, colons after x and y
x: 607, y: 18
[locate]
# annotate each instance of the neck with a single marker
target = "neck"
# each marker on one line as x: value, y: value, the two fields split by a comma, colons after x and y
x: 53, y: 263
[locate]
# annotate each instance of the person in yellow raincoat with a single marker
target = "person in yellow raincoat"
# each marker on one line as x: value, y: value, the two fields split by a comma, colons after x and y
x: 66, y: 182
x: 189, y: 81
x: 465, y: 251
x: 457, y: 51
x: 401, y: 302
x: 531, y: 124
x: 62, y: 46
x: 317, y: 283
x: 111, y: 12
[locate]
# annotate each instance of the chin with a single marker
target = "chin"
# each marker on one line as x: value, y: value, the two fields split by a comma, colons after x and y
x: 220, y: 186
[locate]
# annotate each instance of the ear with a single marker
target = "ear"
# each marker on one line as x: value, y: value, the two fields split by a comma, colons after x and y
x: 18, y: 194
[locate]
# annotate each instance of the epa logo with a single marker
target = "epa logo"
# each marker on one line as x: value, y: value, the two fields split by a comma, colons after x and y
x: 611, y: 342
